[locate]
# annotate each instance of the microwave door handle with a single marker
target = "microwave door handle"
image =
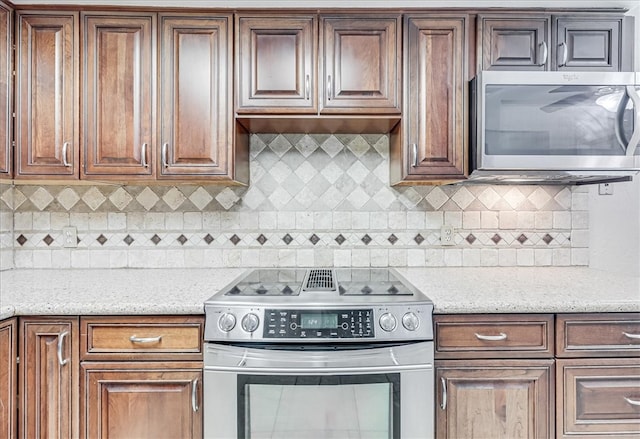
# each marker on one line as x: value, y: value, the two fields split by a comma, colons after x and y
x: 619, y: 128
x: 635, y: 137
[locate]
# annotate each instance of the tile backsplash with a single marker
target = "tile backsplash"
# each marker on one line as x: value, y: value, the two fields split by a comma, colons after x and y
x: 320, y: 200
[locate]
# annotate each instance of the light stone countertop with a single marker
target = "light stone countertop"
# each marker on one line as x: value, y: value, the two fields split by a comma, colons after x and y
x: 183, y: 291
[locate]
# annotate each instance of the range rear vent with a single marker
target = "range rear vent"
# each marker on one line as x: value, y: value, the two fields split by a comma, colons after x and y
x: 320, y: 279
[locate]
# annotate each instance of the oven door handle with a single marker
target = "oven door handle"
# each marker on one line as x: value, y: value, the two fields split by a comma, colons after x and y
x: 360, y: 370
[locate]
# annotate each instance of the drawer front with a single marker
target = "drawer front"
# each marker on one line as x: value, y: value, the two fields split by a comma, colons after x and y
x: 131, y: 338
x: 498, y: 336
x: 599, y: 397
x: 603, y: 335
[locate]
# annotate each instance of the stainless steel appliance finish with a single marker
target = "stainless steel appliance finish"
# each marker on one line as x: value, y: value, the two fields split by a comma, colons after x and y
x: 555, y: 127
x: 319, y: 353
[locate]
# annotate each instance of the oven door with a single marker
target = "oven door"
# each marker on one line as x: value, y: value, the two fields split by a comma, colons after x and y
x: 319, y: 392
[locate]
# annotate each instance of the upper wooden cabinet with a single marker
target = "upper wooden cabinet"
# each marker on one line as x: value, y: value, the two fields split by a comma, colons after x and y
x: 549, y: 42
x: 285, y: 64
x: 46, y: 95
x: 195, y: 132
x: 6, y: 87
x: 118, y: 92
x: 432, y: 143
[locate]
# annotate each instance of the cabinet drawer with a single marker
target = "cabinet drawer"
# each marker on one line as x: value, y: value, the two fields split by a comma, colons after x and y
x: 149, y: 338
x: 494, y: 336
x: 598, y: 335
x: 598, y: 397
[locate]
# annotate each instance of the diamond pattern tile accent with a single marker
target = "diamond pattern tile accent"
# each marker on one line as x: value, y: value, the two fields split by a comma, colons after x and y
x: 262, y: 239
x: 489, y: 197
x: 200, y: 198
x: 340, y: 239
x: 208, y: 238
x: 128, y: 240
x: 68, y: 198
x: 539, y: 198
x: 235, y: 239
x: 41, y: 198
x: 101, y: 239
x: 366, y: 239
x: 436, y: 198
x: 522, y: 238
x: 48, y: 239
x: 463, y: 198
x: 332, y: 146
x: 21, y: 240
x: 93, y: 198
x: 280, y: 145
x: 496, y: 238
x: 358, y: 146
x: 470, y: 238
x: 547, y: 238
x: 147, y: 198
x: 227, y: 198
x: 314, y: 239
x: 156, y: 239
x: 419, y: 239
x: 287, y: 239
x: 182, y: 239
x: 392, y: 239
x: 514, y: 197
x: 174, y: 198
x: 120, y: 198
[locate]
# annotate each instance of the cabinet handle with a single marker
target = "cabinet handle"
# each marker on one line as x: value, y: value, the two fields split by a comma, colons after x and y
x: 165, y: 146
x: 632, y: 401
x: 329, y: 93
x: 194, y: 395
x: 143, y: 158
x: 134, y: 339
x: 500, y: 337
x: 630, y: 335
x: 307, y: 87
x: 65, y: 150
x: 443, y: 404
x: 61, y: 338
x: 414, y: 153
x: 545, y: 53
x: 565, y: 54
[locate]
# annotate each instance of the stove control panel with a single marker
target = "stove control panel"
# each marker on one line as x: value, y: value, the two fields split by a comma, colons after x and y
x: 304, y: 323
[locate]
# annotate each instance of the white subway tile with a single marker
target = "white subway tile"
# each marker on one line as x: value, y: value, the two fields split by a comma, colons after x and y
x: 508, y: 219
x: 41, y: 221
x: 488, y: 220
x: 135, y: 221
x: 98, y: 221
x: 248, y: 220
x: 304, y: 220
x: 322, y: 220
x: 305, y: 258
x: 398, y: 220
x: 543, y: 219
x: 562, y: 219
x: 397, y: 257
x: 268, y: 258
x: 416, y: 220
x: 286, y: 258
x: 117, y: 221
x: 229, y: 221
x: 80, y: 259
x: 379, y: 257
x: 525, y: 257
x: 543, y: 257
x: 378, y: 220
x: 174, y: 221
x: 579, y: 220
x: 360, y: 220
x: 415, y: 257
x: 453, y: 219
x: 580, y: 238
x: 526, y: 220
x: 470, y: 220
x: 561, y: 257
x: 471, y: 257
x: 193, y: 257
x: 211, y: 221
x: 154, y: 221
x: 42, y: 258
x: 507, y: 257
x: 453, y: 256
x: 250, y: 257
x: 579, y: 256
x: 59, y: 220
x: 434, y: 220
x: 360, y: 257
x: 579, y: 201
x: 23, y: 258
x: 193, y: 221
x: 118, y: 259
x: 61, y: 258
x: 6, y: 221
x: 286, y: 220
x: 231, y: 257
x: 323, y: 257
x: 434, y: 257
x: 342, y: 258
x: 489, y: 257
x: 341, y: 220
x: 213, y: 258
x: 23, y: 221
x: 99, y: 259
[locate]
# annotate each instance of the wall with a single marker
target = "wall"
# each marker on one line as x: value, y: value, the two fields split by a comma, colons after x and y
x: 313, y: 200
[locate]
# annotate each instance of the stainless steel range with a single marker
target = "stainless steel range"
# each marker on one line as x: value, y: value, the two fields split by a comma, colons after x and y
x: 293, y: 353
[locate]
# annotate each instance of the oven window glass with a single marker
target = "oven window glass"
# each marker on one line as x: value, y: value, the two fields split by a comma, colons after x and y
x: 312, y: 406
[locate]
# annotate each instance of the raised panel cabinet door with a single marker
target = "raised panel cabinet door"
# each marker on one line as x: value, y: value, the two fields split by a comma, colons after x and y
x: 46, y: 94
x: 435, y: 98
x: 142, y: 401
x: 6, y: 98
x: 588, y: 44
x: 48, y: 376
x: 118, y: 95
x: 276, y: 58
x: 515, y: 43
x: 361, y: 64
x: 195, y: 96
x: 8, y: 379
x: 501, y: 399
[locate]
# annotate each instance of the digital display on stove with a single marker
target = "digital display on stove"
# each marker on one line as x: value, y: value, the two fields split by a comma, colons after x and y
x: 318, y: 321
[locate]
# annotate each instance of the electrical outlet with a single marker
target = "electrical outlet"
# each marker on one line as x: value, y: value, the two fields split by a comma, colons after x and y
x: 69, y: 237
x: 446, y: 235
x: 605, y: 189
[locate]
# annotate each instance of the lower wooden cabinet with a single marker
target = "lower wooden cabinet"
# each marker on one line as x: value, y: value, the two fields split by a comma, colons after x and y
x: 141, y: 400
x: 495, y: 399
x: 48, y: 377
x: 8, y: 370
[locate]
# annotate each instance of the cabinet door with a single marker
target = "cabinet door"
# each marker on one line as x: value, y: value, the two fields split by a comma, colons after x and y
x: 361, y: 64
x: 46, y: 94
x: 276, y: 63
x: 118, y: 92
x: 6, y: 99
x: 48, y: 378
x: 141, y: 400
x: 515, y: 43
x: 588, y: 44
x: 195, y: 97
x: 434, y: 145
x: 507, y: 399
x: 8, y: 382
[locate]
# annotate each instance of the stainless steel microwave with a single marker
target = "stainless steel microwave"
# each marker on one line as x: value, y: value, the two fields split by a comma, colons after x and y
x: 554, y: 127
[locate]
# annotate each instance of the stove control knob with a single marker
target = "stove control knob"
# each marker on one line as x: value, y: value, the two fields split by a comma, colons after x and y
x: 250, y: 322
x: 410, y: 321
x: 387, y: 322
x: 227, y: 322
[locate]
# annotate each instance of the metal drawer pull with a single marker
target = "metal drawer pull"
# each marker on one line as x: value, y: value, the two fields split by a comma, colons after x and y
x: 633, y: 336
x: 194, y: 395
x: 65, y: 149
x: 443, y: 404
x: 632, y: 401
x: 500, y: 337
x: 134, y: 339
x: 61, y: 338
